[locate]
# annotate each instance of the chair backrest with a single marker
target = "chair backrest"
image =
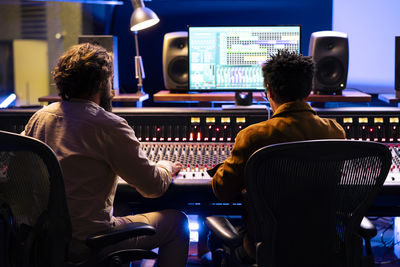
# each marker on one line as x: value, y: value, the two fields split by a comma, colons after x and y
x: 307, y: 199
x: 33, y: 206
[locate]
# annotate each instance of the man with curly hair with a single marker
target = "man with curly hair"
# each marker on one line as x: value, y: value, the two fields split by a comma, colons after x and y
x: 287, y: 80
x: 94, y: 147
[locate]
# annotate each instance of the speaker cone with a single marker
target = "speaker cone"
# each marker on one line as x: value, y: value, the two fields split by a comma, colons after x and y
x: 330, y: 71
x: 178, y: 70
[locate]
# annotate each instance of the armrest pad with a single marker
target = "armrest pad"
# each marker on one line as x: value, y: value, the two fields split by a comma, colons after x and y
x: 118, y: 234
x: 224, y: 230
x: 367, y: 229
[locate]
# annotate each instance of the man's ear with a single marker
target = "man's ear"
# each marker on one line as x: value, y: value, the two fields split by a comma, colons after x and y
x: 269, y: 92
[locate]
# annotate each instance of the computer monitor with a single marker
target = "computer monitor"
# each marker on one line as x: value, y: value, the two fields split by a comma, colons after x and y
x: 229, y: 58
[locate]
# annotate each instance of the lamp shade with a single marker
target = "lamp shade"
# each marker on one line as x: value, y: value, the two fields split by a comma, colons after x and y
x: 142, y: 17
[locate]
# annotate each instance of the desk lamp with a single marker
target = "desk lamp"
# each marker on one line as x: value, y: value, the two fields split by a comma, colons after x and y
x: 142, y: 18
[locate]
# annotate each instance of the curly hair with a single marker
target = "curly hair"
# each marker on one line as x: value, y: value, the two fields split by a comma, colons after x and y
x: 289, y: 75
x: 82, y: 71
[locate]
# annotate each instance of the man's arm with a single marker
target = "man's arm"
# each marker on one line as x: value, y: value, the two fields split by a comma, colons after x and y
x: 227, y: 183
x: 127, y: 160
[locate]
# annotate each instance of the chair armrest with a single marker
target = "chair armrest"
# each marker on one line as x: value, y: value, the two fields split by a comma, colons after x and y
x: 224, y: 230
x: 367, y: 229
x: 118, y: 234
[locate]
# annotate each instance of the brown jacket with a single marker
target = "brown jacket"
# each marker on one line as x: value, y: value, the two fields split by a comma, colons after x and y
x: 292, y: 121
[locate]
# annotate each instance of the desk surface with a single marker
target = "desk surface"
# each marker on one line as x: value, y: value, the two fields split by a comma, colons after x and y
x: 389, y: 98
x: 117, y: 98
x: 347, y: 96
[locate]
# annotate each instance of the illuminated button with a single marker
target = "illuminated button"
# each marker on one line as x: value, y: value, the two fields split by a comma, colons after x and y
x: 347, y: 120
x: 195, y: 119
x: 378, y: 120
x: 225, y: 120
x: 210, y: 120
x: 363, y: 120
x: 240, y: 120
x: 394, y: 120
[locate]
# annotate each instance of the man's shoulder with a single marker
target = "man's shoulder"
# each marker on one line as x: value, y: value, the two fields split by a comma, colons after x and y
x: 261, y: 128
x: 106, y: 118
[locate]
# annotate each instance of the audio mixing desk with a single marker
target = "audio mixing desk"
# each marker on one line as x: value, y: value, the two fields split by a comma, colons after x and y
x: 197, y: 158
x: 191, y: 188
x: 203, y: 137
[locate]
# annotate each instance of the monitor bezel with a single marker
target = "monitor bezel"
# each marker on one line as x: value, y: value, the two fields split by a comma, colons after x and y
x: 226, y: 26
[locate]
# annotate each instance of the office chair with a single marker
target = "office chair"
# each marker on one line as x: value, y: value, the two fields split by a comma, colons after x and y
x: 35, y: 227
x: 307, y: 200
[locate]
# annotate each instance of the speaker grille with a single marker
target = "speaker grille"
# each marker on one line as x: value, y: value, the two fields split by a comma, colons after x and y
x: 33, y: 21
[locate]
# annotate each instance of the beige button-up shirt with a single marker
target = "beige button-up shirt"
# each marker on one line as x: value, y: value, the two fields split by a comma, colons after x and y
x: 94, y: 147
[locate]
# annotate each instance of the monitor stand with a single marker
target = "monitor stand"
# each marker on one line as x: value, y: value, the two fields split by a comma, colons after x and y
x: 243, y: 100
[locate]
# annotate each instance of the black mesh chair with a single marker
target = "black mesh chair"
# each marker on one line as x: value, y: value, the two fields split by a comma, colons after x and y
x: 307, y: 200
x: 35, y: 227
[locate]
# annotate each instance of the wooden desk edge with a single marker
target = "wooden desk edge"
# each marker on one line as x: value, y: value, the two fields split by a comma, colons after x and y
x: 117, y: 98
x: 165, y: 96
x: 389, y: 98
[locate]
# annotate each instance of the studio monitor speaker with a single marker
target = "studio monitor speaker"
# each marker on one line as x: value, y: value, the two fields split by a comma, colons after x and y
x: 110, y: 43
x: 175, y: 61
x: 330, y: 52
x: 397, y: 67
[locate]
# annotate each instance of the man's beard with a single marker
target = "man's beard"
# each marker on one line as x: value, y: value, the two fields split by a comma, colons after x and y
x: 106, y: 100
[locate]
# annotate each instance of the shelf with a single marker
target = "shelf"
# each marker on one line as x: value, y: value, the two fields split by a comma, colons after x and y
x: 167, y: 96
x: 389, y: 98
x: 137, y: 98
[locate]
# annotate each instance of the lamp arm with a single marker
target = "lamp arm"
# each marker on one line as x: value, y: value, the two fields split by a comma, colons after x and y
x: 139, y: 70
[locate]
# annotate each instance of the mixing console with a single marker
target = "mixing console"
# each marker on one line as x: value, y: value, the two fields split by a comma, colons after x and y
x: 198, y: 157
x: 195, y: 157
x: 203, y: 137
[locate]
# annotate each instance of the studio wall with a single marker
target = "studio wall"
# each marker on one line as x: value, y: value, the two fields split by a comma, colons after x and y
x: 371, y: 27
x: 175, y: 15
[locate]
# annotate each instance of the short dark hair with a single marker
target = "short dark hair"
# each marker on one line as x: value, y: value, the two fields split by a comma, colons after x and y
x: 82, y: 71
x: 289, y: 75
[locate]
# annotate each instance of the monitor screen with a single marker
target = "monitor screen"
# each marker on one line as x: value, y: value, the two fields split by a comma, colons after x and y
x: 229, y: 58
